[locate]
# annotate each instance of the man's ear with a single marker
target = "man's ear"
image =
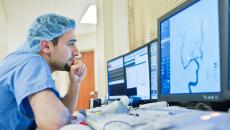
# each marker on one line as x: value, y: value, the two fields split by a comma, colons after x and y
x: 45, y: 46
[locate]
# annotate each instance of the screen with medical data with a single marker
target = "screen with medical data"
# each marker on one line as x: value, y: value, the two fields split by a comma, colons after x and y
x: 116, y: 78
x: 190, y: 50
x: 153, y: 69
x: 137, y: 73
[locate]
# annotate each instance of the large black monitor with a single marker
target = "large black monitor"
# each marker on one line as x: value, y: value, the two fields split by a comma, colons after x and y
x: 190, y: 64
x: 116, y: 78
x: 153, y: 51
x: 136, y: 65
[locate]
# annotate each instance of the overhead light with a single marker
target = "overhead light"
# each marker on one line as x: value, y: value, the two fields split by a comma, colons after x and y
x: 90, y: 16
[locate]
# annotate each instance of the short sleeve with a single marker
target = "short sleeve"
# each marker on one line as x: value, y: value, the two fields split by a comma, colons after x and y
x: 30, y: 77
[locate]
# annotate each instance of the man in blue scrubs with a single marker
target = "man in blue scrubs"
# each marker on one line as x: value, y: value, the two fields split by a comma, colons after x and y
x: 28, y: 96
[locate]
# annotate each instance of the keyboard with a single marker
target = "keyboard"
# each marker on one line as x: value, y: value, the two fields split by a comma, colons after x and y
x: 159, y: 118
x: 115, y: 121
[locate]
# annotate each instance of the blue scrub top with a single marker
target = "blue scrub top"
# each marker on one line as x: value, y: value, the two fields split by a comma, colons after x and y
x: 21, y: 75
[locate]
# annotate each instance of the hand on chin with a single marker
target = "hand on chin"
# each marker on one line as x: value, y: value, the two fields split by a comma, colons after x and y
x: 77, y: 71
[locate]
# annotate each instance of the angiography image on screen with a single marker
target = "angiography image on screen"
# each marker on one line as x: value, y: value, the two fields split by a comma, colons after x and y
x: 190, y: 50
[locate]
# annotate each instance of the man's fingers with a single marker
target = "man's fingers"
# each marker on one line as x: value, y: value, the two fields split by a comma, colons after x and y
x: 78, y: 68
x: 77, y: 61
x: 82, y: 69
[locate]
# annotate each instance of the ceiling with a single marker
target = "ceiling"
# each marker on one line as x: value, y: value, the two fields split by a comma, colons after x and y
x: 25, y: 11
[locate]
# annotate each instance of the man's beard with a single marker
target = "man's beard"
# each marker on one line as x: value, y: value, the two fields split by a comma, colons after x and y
x: 66, y: 68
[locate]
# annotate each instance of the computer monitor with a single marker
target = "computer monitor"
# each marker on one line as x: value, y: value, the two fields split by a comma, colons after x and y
x: 116, y: 78
x: 136, y: 65
x: 225, y: 35
x: 190, y: 66
x: 153, y: 69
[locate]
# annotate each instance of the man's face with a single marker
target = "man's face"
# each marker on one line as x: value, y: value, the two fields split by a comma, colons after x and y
x: 62, y: 55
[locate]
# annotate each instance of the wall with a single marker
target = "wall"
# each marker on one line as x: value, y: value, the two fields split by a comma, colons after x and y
x: 87, y: 42
x: 120, y: 27
x: 112, y: 37
x: 99, y: 52
x: 16, y: 34
x: 143, y: 15
x: 3, y: 31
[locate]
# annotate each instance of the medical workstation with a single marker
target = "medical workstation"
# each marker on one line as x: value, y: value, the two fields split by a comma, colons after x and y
x: 170, y: 74
x: 177, y: 81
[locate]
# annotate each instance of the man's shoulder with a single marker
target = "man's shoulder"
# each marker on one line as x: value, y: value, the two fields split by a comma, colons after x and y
x: 16, y: 60
x: 23, y: 57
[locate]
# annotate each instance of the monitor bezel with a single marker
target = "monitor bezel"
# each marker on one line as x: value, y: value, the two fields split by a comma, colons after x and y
x: 154, y: 41
x: 196, y: 97
x: 138, y: 48
x: 224, y: 36
x: 115, y: 97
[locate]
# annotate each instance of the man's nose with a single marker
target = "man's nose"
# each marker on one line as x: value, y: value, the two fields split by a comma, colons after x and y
x: 75, y: 51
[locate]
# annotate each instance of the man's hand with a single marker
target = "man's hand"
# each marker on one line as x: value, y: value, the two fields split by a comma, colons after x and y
x: 77, y: 72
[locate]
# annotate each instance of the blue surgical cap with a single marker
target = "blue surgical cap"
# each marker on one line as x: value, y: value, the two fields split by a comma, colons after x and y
x: 46, y: 27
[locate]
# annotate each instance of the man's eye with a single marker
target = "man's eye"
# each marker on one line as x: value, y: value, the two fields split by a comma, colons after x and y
x: 70, y: 44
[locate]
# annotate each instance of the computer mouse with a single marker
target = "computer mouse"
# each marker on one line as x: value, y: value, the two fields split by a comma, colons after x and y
x: 76, y: 127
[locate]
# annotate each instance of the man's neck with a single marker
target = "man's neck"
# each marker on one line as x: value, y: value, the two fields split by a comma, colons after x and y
x: 47, y: 59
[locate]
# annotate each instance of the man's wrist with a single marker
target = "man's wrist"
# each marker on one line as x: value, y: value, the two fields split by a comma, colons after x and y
x: 76, y: 83
x: 74, y: 86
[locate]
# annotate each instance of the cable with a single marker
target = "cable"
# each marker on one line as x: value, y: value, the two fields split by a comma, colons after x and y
x: 203, y: 106
x: 108, y: 123
x: 199, y: 106
x: 191, y: 105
